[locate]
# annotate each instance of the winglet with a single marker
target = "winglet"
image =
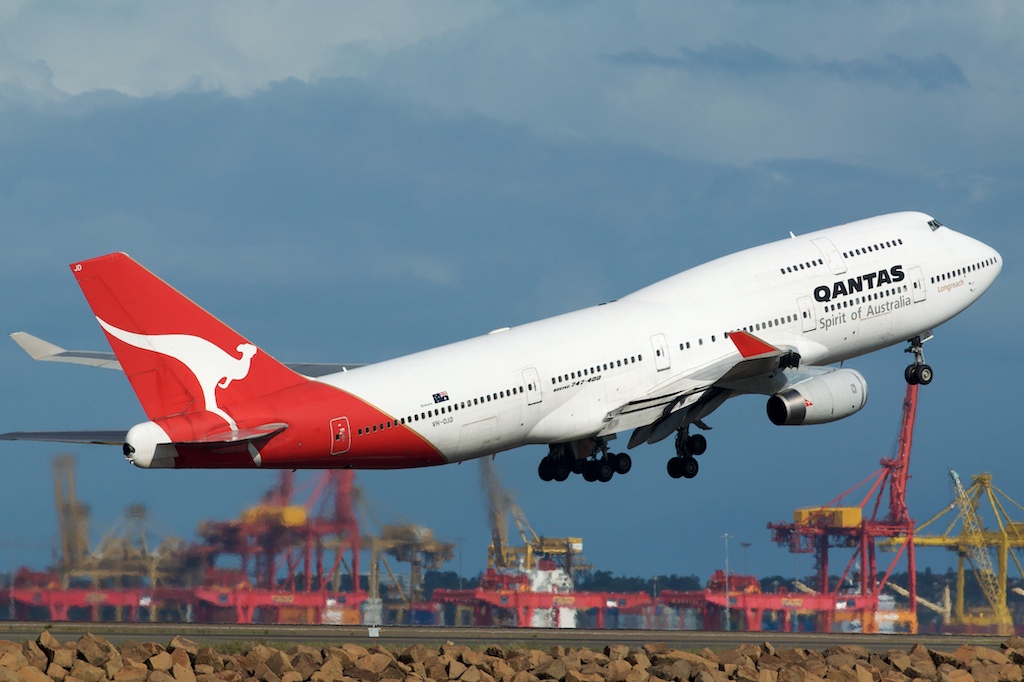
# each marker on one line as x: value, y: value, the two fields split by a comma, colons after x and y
x: 750, y: 346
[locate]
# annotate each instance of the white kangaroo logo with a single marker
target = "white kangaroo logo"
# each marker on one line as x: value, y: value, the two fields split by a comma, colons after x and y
x: 211, y: 366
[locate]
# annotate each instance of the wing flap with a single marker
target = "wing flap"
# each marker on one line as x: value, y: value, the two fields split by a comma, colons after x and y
x: 694, y: 394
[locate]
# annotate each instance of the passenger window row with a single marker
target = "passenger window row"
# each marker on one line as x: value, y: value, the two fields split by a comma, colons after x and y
x: 771, y: 323
x: 806, y: 265
x: 874, y: 247
x: 959, y: 272
x: 873, y: 296
x: 579, y: 374
x: 444, y: 409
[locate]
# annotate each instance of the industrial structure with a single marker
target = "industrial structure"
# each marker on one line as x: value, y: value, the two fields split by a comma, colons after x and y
x: 855, y: 597
x: 301, y: 557
x: 966, y: 535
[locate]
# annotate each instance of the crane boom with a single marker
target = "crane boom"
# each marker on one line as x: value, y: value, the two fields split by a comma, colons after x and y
x: 976, y: 547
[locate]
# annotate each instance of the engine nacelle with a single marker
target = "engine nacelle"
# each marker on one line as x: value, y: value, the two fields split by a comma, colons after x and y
x: 819, y: 400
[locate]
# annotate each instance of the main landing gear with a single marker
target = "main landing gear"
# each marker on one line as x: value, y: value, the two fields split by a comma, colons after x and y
x: 600, y: 466
x: 919, y: 372
x: 688, y: 448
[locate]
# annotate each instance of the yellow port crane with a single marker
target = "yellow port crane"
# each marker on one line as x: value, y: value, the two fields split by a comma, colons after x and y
x: 500, y: 554
x: 975, y: 543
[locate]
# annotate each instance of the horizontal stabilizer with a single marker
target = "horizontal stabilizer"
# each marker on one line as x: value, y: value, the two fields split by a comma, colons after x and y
x: 45, y: 351
x: 49, y: 352
x: 85, y: 437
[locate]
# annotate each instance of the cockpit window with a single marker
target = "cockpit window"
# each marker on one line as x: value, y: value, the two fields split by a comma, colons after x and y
x: 934, y: 224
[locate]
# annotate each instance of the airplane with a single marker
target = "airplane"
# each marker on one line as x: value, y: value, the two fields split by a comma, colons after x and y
x: 772, y: 320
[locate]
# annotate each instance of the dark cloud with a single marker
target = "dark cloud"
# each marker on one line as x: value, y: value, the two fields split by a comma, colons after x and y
x: 315, y: 218
x: 933, y: 72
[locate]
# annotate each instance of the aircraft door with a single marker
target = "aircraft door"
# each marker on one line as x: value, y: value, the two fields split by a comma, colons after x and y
x: 532, y: 381
x: 340, y: 436
x: 833, y: 259
x: 917, y: 284
x: 660, y: 345
x: 807, y: 313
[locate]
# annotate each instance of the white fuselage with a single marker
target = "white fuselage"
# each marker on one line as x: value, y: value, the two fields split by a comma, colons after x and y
x: 829, y: 295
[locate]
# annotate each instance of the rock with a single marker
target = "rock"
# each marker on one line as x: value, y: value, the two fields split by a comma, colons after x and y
x: 94, y: 649
x: 472, y: 674
x: 13, y: 660
x: 676, y: 671
x: 376, y: 662
x: 64, y: 657
x: 131, y: 674
x: 8, y: 675
x: 289, y: 676
x: 183, y: 673
x: 161, y: 662
x: 207, y: 656
x: 455, y: 669
x: 115, y: 664
x: 157, y: 676
x: 136, y: 651
x: 187, y: 645
x: 523, y: 676
x: 899, y: 660
x: 948, y: 673
x: 363, y: 675
x: 87, y: 672
x: 55, y: 672
x: 264, y: 673
x: 280, y: 663
x: 616, y: 651
x: 304, y: 664
x: 577, y: 676
x: 229, y: 676
x: 639, y: 659
x: 48, y: 643
x: 30, y: 673
x: 180, y: 657
x: 35, y: 655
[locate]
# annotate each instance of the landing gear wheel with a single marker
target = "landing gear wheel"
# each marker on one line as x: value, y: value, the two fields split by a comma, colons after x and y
x: 544, y: 470
x: 675, y: 467
x: 924, y: 375
x: 622, y: 463
x: 560, y: 471
x: 697, y: 445
x: 918, y: 374
x: 690, y: 467
x: 576, y: 465
x: 604, y: 470
x: 590, y: 471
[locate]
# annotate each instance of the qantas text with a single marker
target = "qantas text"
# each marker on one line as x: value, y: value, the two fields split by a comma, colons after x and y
x: 853, y: 285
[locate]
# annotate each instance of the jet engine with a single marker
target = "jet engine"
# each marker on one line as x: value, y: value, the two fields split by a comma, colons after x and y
x: 819, y: 400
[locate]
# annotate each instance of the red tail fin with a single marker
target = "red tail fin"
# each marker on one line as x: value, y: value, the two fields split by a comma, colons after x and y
x: 178, y: 358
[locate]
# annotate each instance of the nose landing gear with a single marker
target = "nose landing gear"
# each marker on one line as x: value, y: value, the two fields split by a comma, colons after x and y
x: 919, y: 372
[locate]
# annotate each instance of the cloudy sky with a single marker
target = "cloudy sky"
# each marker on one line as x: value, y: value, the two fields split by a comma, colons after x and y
x: 356, y: 181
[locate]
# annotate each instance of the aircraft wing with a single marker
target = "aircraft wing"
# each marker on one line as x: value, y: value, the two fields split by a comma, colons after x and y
x: 690, y: 397
x: 45, y: 351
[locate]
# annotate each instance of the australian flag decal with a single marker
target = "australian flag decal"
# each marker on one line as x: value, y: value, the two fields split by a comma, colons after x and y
x: 441, y: 397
